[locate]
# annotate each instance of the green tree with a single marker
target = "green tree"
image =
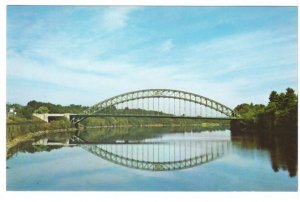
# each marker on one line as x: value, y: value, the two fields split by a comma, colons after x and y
x: 42, y: 110
x: 280, y: 111
x: 27, y: 112
x: 34, y: 104
x: 273, y: 97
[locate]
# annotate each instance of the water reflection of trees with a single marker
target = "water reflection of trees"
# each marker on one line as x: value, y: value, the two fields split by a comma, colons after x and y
x: 281, y: 145
x: 137, y: 133
x: 104, y: 135
x: 28, y: 147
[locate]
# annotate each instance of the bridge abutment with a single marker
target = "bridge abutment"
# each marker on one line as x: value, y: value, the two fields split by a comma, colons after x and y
x: 45, y: 117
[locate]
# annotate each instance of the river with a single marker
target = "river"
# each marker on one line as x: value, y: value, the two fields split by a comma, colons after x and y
x: 151, y: 159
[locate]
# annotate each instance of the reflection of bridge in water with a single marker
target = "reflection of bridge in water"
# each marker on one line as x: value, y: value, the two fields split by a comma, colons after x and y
x: 175, y: 156
x: 156, y: 154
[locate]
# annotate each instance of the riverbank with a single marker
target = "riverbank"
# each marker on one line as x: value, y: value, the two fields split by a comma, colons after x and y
x: 12, y: 142
x: 28, y: 136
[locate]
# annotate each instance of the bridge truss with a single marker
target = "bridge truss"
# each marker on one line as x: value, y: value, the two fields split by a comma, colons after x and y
x: 164, y: 103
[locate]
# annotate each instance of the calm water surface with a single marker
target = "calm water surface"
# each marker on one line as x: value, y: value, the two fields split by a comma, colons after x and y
x: 151, y: 159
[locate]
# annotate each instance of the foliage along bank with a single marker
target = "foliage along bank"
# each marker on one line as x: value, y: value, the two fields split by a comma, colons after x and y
x: 20, y: 127
x: 273, y: 127
x: 23, y: 122
x: 280, y: 113
x: 111, y: 121
x: 43, y: 107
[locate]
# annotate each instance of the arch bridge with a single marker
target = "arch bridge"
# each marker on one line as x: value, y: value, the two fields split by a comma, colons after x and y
x: 158, y: 103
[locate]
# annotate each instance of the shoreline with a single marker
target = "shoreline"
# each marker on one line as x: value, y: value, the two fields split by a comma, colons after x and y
x: 152, y: 125
x: 28, y: 136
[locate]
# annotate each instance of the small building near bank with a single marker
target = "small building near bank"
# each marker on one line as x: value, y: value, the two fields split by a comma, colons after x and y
x: 11, y: 113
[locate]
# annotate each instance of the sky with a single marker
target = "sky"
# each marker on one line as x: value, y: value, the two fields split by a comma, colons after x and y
x: 86, y: 54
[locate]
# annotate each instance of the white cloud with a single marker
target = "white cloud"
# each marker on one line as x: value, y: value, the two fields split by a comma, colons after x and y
x: 221, y: 58
x: 110, y: 63
x: 115, y: 18
x: 166, y: 45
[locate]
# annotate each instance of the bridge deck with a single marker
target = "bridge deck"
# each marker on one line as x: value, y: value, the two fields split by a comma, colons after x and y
x: 153, y: 116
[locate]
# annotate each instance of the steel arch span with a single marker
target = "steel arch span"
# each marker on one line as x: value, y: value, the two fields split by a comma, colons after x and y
x: 175, y: 99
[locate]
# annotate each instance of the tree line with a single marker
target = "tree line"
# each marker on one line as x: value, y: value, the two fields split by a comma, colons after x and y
x: 273, y: 127
x: 44, y: 107
x: 281, y: 111
x: 24, y: 122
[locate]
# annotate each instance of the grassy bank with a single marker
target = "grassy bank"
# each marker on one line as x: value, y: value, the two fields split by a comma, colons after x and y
x: 20, y: 127
x: 28, y: 136
x: 21, y: 130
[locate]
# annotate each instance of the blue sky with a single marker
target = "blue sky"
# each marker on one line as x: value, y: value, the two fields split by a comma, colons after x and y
x: 85, y: 54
